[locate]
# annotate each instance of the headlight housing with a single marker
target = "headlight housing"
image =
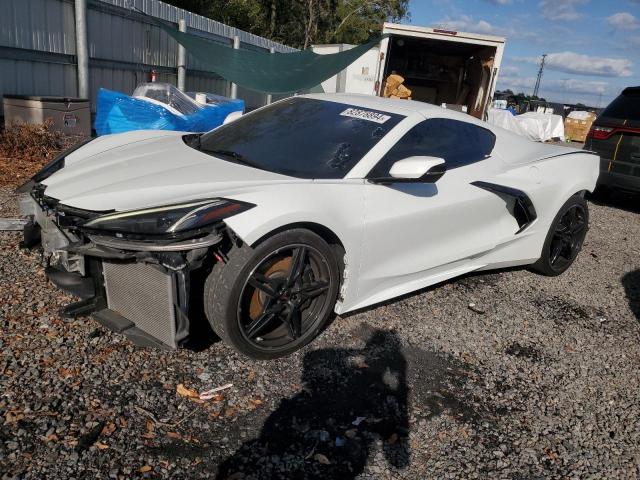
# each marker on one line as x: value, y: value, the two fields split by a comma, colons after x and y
x: 167, y: 221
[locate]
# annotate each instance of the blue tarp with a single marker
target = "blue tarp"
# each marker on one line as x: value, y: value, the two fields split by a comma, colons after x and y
x: 117, y: 113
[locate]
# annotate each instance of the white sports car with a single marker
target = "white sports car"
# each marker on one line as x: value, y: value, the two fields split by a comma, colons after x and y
x: 312, y: 205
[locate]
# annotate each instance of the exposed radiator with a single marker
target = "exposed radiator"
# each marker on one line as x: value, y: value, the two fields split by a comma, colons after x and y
x: 144, y: 295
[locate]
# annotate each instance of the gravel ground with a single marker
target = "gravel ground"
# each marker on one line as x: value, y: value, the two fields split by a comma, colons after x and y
x: 501, y: 375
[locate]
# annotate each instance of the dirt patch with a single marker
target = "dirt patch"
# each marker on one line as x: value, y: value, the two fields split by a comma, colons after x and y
x: 25, y: 149
x: 523, y: 351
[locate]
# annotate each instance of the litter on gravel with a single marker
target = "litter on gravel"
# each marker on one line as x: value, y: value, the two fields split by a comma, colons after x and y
x: 209, y: 394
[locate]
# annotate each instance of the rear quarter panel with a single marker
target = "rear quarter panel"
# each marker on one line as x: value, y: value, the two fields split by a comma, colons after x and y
x: 549, y: 174
x: 550, y: 182
x: 554, y: 180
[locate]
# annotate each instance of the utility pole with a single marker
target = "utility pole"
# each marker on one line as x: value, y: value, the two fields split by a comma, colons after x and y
x: 537, y: 87
x: 564, y: 89
x: 271, y: 50
x: 234, y: 87
x: 82, y: 51
x: 182, y: 58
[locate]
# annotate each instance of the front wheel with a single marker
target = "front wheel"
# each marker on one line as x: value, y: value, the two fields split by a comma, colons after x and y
x: 273, y: 299
x: 565, y: 238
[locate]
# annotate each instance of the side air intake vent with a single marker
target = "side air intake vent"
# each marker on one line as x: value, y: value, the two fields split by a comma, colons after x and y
x: 523, y: 210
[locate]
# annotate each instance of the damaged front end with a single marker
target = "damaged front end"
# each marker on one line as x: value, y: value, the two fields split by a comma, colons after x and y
x: 133, y: 270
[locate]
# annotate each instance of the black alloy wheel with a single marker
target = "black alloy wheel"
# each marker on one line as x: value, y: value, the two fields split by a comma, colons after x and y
x: 568, y: 237
x: 283, y: 296
x: 271, y: 300
x: 565, y: 237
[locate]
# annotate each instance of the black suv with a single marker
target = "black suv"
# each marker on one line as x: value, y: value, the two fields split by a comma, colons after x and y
x: 615, y: 136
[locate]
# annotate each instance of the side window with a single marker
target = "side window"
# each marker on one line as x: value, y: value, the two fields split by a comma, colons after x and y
x: 458, y: 143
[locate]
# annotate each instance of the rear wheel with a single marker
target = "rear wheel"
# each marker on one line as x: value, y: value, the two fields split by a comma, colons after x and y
x: 271, y: 300
x: 565, y: 238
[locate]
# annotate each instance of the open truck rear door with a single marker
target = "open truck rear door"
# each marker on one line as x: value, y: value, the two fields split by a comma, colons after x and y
x: 442, y: 66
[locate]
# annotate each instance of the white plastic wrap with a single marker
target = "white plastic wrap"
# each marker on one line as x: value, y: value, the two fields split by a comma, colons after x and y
x: 541, y: 126
x: 505, y: 119
x: 536, y: 126
x: 209, y: 98
x: 167, y: 95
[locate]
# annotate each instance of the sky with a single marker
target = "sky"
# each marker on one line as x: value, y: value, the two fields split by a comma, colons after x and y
x: 593, y: 46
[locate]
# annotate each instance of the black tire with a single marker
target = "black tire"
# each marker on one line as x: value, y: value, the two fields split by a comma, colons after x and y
x: 564, y: 237
x: 236, y: 288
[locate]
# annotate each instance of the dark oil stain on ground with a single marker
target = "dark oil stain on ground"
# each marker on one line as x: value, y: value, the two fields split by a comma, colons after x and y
x: 565, y: 310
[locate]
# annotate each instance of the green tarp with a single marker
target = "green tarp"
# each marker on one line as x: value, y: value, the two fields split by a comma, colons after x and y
x: 267, y: 72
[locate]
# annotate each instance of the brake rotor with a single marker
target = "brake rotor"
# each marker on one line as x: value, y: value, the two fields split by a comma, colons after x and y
x: 279, y: 269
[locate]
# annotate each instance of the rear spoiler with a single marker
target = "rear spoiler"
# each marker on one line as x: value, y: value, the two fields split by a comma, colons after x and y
x: 541, y: 154
x: 573, y: 152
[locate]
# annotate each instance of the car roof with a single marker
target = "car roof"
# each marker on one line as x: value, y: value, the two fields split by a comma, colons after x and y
x: 394, y: 105
x: 505, y: 140
x: 631, y: 90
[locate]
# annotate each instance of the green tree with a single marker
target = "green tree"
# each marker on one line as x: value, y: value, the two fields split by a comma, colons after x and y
x: 301, y: 23
x: 356, y: 20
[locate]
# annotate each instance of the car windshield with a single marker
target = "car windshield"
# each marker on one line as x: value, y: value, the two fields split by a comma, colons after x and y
x: 624, y: 107
x: 301, y: 137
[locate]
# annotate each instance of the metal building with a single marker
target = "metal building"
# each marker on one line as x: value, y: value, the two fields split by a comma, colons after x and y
x: 38, y: 48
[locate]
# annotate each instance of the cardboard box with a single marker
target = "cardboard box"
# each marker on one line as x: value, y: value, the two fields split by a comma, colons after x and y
x: 577, y: 130
x: 393, y: 88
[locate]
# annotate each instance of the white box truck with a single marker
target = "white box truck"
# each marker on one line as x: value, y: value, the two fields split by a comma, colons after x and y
x: 438, y: 66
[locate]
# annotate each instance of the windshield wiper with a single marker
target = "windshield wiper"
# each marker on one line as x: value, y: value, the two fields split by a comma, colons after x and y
x: 227, y: 153
x: 235, y: 156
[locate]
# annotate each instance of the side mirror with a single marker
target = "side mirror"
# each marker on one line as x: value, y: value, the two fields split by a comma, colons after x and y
x: 416, y: 169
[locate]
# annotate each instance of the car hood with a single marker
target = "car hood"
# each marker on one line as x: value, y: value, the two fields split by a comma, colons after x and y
x: 147, y: 168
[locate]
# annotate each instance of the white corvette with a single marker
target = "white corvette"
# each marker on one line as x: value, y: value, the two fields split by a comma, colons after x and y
x: 312, y: 205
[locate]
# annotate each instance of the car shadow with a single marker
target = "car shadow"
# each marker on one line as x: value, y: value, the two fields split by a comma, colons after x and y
x: 626, y: 201
x: 354, y: 404
x: 201, y: 336
x: 351, y: 399
x: 631, y: 284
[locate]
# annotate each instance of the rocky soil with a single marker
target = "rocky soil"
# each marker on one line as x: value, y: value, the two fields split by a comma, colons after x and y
x: 498, y: 375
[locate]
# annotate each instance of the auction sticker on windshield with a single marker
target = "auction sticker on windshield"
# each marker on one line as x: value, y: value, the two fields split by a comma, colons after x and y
x: 365, y: 115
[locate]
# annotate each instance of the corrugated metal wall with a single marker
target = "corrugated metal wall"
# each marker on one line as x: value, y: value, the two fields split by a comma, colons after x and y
x: 37, y: 47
